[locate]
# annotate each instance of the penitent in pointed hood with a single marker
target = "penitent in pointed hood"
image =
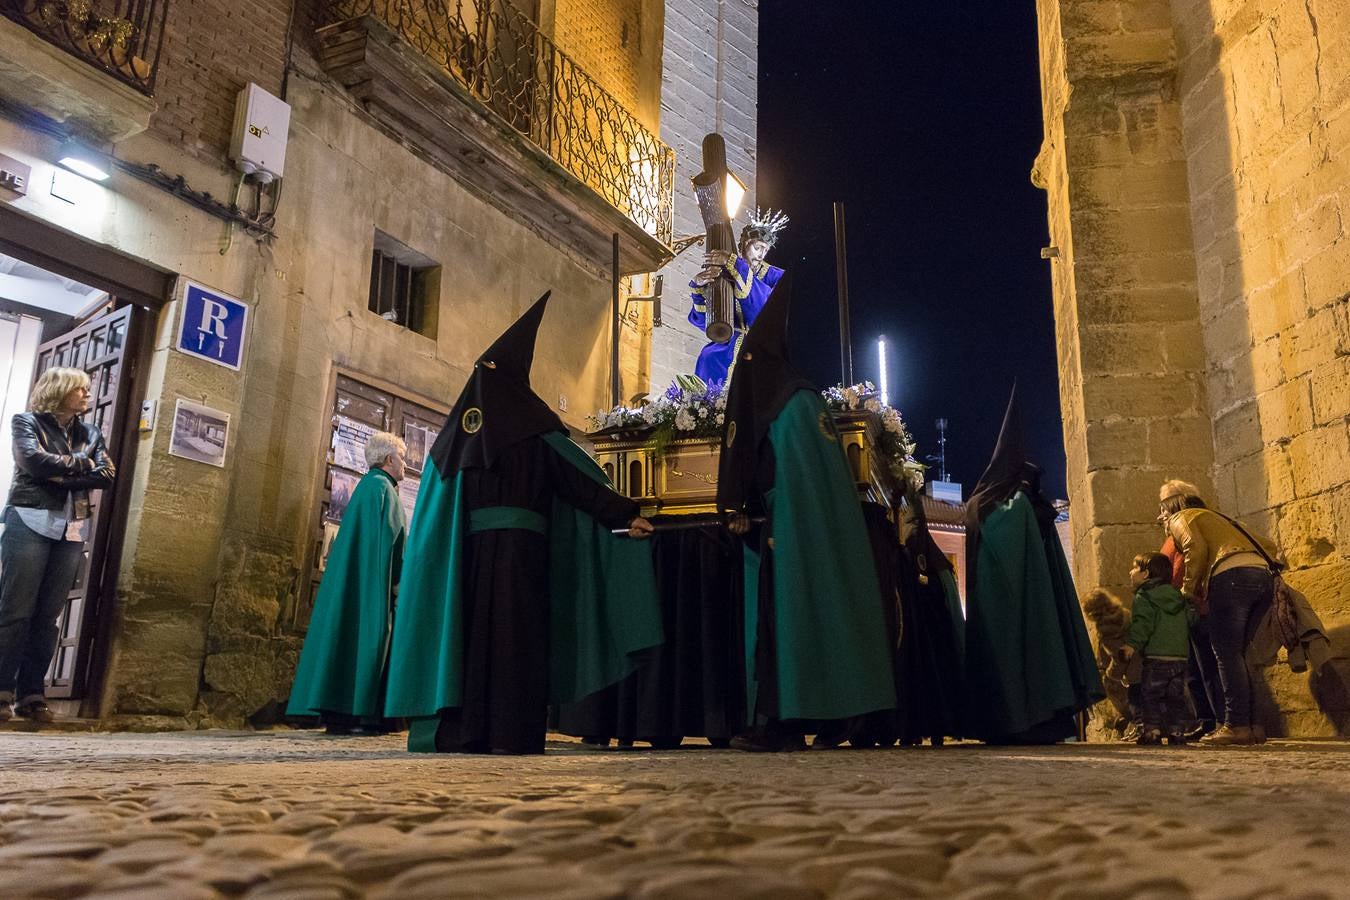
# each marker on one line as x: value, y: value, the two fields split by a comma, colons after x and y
x: 762, y: 381
x: 497, y: 408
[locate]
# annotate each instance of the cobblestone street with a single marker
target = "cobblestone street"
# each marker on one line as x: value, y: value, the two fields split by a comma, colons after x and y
x: 297, y: 814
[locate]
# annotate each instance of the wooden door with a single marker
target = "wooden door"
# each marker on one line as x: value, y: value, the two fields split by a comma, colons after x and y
x: 98, y: 346
x: 360, y: 408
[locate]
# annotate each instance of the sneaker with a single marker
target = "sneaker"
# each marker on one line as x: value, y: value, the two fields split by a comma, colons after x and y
x: 36, y: 711
x: 6, y: 710
x: 1228, y: 736
x: 1176, y: 739
x: 1200, y: 730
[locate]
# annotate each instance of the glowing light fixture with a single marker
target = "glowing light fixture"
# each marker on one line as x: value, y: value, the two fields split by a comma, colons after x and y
x: 83, y: 161
x: 735, y: 193
x: 881, y: 364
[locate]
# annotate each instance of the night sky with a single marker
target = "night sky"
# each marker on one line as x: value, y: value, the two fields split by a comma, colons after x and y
x: 924, y: 119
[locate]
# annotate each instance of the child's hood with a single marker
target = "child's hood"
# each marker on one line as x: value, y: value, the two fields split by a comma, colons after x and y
x: 1162, y: 595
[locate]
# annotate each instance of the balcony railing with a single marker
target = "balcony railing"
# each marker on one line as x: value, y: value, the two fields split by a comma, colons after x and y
x: 121, y: 37
x: 499, y: 55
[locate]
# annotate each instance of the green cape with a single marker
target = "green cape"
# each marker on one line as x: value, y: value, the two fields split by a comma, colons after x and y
x: 602, y: 595
x: 831, y: 650
x: 348, y: 640
x: 1028, y: 657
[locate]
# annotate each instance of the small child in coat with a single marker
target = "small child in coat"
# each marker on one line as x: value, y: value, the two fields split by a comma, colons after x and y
x: 1160, y: 624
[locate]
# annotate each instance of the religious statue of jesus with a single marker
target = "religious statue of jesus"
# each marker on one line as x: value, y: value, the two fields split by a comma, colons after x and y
x: 752, y: 281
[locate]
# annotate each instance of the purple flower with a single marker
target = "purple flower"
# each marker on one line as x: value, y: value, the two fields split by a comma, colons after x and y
x: 674, y: 393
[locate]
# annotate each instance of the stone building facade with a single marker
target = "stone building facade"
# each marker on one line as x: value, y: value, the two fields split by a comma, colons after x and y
x: 1197, y: 166
x: 201, y: 607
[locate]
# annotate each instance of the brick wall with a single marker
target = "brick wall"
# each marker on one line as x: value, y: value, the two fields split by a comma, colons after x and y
x: 707, y: 86
x: 604, y: 37
x: 212, y: 48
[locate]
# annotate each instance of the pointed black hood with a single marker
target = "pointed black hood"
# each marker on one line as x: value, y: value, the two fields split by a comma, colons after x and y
x: 1008, y: 471
x: 762, y: 381
x: 497, y: 408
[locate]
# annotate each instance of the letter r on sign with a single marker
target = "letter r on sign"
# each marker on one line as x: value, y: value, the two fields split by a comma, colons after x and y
x: 213, y: 318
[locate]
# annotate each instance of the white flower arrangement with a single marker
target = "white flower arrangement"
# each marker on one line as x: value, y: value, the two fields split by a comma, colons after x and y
x: 896, y: 443
x: 691, y: 409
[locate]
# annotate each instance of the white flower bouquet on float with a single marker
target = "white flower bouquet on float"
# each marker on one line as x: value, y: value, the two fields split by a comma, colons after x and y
x: 690, y: 409
x: 897, y: 446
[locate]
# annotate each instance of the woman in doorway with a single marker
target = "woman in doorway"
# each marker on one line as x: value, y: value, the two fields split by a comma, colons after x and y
x: 58, y: 460
x: 1232, y: 573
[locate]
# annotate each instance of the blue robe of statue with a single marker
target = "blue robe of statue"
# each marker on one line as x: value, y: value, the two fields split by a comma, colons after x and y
x: 751, y: 291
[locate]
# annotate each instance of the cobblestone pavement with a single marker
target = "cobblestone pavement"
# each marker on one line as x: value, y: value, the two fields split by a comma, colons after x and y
x: 298, y: 814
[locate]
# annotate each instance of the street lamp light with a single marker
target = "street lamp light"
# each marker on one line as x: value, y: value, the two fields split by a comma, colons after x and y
x: 719, y: 193
x: 83, y: 161
x: 881, y: 362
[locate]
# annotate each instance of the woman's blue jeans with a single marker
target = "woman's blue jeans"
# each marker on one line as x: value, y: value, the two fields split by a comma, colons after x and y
x: 36, y: 574
x: 1237, y: 600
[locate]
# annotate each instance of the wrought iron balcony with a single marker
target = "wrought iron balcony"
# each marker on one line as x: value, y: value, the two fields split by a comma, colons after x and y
x: 491, y: 52
x: 120, y: 37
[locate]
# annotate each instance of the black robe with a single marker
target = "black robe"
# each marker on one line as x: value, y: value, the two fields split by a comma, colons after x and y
x: 506, y: 614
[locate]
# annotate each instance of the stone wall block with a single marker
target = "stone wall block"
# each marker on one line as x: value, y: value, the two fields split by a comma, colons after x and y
x: 1122, y: 496
x: 158, y: 670
x: 1305, y: 536
x: 1122, y: 349
x: 1185, y: 349
x: 1116, y: 443
x: 1115, y: 547
x: 1320, y: 458
x: 1326, y: 275
x: 1256, y: 89
x: 1262, y: 481
x: 1285, y: 411
x: 1228, y: 336
x: 1331, y: 391
x: 1327, y: 588
x: 1237, y: 433
x: 1139, y: 396
x: 1310, y: 343
x: 1172, y: 439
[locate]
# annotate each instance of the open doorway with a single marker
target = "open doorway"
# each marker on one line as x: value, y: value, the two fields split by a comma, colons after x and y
x: 63, y: 303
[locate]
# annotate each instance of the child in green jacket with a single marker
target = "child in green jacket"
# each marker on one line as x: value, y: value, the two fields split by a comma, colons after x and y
x: 1160, y: 627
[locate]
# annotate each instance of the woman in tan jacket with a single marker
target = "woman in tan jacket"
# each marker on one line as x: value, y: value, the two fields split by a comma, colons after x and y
x: 1232, y: 575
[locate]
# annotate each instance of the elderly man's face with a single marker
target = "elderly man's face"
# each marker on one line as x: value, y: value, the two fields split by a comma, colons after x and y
x: 396, y: 465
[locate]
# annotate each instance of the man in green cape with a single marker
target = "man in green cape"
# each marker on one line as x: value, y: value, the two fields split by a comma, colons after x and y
x: 815, y: 632
x: 342, y: 666
x: 1030, y: 668
x: 517, y: 592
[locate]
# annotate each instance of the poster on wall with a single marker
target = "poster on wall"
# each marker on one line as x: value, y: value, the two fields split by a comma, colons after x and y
x: 407, y: 493
x: 419, y: 439
x: 340, y: 493
x: 349, y: 443
x: 199, y: 433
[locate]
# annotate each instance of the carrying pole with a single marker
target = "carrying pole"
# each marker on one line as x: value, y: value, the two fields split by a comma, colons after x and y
x: 841, y: 269
x: 614, y: 399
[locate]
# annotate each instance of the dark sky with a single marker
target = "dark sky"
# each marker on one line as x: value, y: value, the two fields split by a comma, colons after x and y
x: 924, y: 119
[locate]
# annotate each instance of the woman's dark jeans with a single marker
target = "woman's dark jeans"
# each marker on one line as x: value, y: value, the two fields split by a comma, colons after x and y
x: 1237, y: 599
x: 36, y: 574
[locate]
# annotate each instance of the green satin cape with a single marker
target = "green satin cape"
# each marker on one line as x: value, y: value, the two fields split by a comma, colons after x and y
x: 832, y: 655
x: 348, y: 639
x: 1028, y: 657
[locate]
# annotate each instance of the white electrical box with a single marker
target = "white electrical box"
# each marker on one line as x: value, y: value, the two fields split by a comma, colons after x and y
x: 261, y: 125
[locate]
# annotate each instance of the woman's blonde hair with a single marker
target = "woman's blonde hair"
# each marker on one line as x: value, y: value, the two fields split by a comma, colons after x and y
x: 52, y: 387
x: 381, y: 445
